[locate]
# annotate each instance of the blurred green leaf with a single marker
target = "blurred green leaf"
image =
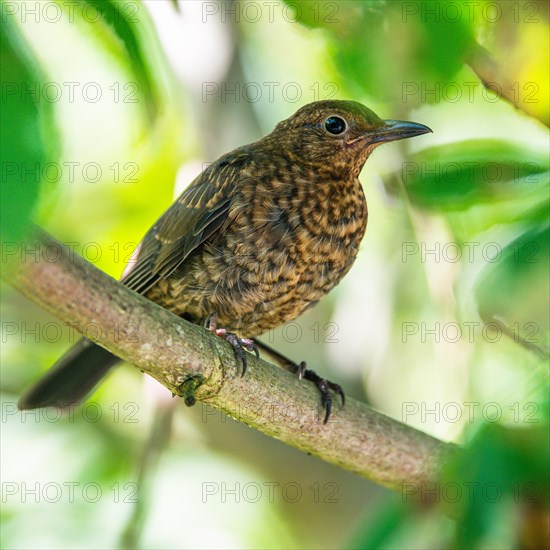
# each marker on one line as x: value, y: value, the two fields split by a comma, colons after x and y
x: 382, y: 46
x: 27, y: 132
x: 501, y: 468
x: 460, y: 175
x: 379, y: 530
x: 343, y: 19
x: 123, y: 18
x: 521, y: 272
x: 446, y: 34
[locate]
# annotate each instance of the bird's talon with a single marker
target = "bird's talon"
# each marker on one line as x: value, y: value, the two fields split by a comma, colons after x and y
x: 250, y: 345
x: 328, y: 405
x: 238, y: 344
x: 326, y: 400
x: 242, y: 357
x: 337, y: 389
x: 324, y: 387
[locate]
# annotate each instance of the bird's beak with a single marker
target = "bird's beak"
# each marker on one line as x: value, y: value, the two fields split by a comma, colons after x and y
x: 393, y: 130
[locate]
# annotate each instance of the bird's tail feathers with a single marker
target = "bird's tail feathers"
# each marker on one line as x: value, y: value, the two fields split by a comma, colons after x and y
x: 72, y: 378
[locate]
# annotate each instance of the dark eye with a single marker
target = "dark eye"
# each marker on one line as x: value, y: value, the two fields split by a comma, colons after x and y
x: 335, y: 125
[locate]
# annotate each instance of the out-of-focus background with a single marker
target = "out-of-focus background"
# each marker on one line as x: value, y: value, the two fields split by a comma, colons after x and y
x: 111, y: 107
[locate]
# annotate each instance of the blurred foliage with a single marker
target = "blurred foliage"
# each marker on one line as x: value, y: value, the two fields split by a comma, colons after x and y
x: 118, y: 22
x: 28, y: 135
x: 524, y: 265
x: 491, y: 480
x: 458, y: 175
x: 366, y: 36
x: 478, y: 184
x: 503, y: 478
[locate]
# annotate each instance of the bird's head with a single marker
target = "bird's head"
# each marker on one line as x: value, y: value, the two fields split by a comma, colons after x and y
x: 341, y: 134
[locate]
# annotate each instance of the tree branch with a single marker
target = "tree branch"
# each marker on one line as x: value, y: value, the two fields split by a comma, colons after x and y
x: 174, y: 351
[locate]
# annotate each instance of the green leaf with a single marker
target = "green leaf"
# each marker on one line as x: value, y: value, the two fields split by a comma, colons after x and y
x: 27, y: 132
x: 460, y: 175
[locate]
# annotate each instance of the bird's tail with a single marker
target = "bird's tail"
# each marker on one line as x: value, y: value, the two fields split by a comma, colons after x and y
x: 72, y: 378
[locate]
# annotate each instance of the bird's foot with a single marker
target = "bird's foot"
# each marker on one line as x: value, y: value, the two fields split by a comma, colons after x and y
x: 238, y: 344
x: 324, y: 387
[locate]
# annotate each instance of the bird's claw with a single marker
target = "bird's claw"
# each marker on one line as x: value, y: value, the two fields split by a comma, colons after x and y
x: 238, y: 344
x: 324, y: 387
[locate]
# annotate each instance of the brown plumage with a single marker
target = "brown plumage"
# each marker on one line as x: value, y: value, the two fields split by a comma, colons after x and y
x: 259, y: 236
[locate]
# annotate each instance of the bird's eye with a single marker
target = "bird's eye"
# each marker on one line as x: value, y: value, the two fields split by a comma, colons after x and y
x: 335, y: 125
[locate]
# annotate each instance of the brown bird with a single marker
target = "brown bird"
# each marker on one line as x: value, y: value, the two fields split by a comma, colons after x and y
x: 259, y: 236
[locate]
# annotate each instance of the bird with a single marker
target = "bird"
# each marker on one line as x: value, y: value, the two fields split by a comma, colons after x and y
x: 258, y: 237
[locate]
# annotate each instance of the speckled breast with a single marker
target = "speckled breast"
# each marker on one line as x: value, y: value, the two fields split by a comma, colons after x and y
x: 283, y: 249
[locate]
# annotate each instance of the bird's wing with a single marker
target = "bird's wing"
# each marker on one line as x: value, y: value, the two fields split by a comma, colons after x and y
x: 196, y: 216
